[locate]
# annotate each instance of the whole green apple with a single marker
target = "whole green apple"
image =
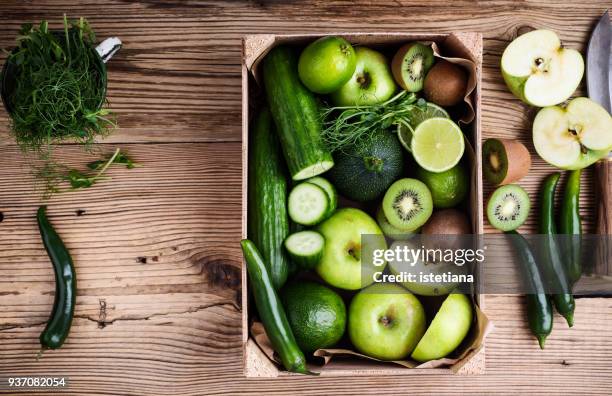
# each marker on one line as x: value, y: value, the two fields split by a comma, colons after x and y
x: 386, y: 321
x: 341, y: 265
x: 371, y: 83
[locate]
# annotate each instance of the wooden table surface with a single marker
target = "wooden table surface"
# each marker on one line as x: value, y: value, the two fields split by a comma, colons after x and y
x: 158, y: 245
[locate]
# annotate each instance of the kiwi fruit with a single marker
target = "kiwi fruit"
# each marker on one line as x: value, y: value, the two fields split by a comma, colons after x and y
x: 391, y: 231
x: 504, y: 161
x: 447, y: 222
x: 508, y: 207
x: 407, y: 204
x: 411, y: 64
x: 445, y: 84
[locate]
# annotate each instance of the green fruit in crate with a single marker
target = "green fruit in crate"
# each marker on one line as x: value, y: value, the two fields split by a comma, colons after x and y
x: 389, y: 230
x: 316, y: 314
x: 411, y: 64
x: 386, y: 321
x: 437, y: 144
x: 364, y: 172
x: 447, y: 188
x: 447, y: 330
x: 539, y: 71
x: 407, y: 204
x: 327, y: 64
x: 341, y: 264
x: 370, y: 84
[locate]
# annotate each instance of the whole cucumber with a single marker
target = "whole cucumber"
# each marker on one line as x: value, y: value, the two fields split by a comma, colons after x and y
x: 552, y: 264
x: 296, y: 113
x: 268, y: 223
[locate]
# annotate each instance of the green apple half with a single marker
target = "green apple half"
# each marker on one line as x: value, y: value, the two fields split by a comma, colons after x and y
x: 573, y: 137
x: 385, y: 321
x: 341, y: 265
x: 447, y: 329
x: 539, y: 71
x: 371, y: 83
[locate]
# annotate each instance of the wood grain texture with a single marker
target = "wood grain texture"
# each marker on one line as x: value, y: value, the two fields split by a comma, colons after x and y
x: 158, y: 244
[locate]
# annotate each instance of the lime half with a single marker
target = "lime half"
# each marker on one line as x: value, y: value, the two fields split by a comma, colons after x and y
x: 420, y: 114
x: 404, y: 133
x: 437, y: 144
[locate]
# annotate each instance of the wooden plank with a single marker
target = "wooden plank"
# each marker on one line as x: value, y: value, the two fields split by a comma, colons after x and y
x: 174, y: 322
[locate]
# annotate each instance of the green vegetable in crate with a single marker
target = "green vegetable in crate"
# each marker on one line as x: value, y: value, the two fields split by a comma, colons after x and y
x: 271, y: 311
x: 329, y: 189
x: 305, y: 248
x: 296, y: 113
x: 569, y: 224
x: 364, y: 172
x: 539, y: 309
x: 268, y: 219
x: 60, y: 321
x: 552, y: 263
x: 308, y: 204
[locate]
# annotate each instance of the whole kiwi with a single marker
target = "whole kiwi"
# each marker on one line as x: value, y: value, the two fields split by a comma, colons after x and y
x: 445, y: 84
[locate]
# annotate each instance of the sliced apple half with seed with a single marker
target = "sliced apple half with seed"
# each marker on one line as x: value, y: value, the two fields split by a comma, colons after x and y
x: 539, y: 71
x: 573, y: 137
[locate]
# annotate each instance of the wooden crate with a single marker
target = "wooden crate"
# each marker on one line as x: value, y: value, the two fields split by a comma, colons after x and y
x: 466, y: 45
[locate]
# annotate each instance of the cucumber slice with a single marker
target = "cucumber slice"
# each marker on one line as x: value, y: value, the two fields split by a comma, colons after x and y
x: 308, y: 204
x: 305, y: 248
x: 329, y: 189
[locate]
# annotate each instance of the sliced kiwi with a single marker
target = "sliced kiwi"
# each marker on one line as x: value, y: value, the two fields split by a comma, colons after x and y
x: 391, y: 231
x: 508, y: 207
x: 504, y: 161
x: 407, y: 204
x: 411, y: 64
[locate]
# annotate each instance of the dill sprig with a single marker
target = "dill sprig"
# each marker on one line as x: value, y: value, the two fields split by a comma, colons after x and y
x: 59, y: 87
x: 354, y: 125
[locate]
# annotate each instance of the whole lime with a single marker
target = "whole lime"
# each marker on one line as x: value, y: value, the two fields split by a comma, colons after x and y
x: 447, y: 188
x: 316, y: 314
x: 326, y: 64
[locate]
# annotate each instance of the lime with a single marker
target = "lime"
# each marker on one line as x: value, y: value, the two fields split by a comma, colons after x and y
x: 437, y: 144
x: 327, y: 64
x: 422, y: 113
x: 316, y: 314
x: 447, y: 188
x: 404, y: 133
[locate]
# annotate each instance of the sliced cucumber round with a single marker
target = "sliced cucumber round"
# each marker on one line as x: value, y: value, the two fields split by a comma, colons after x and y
x: 308, y: 204
x: 305, y: 248
x: 329, y: 189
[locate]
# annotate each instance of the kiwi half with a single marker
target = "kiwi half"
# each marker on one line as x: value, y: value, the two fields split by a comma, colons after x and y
x: 508, y: 207
x: 407, y: 204
x: 411, y: 64
x: 504, y: 161
x: 389, y: 230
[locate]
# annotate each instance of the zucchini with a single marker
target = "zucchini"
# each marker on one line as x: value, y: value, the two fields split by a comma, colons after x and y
x: 296, y: 114
x: 268, y: 220
x: 305, y: 248
x: 308, y: 204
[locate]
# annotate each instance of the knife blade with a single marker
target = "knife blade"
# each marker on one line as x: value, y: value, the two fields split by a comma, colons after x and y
x: 599, y: 63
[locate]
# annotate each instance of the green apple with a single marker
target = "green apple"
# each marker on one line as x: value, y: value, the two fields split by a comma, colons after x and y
x: 386, y: 321
x: 341, y: 265
x: 371, y: 83
x: 447, y: 329
x: 326, y: 64
x: 573, y: 137
x: 425, y: 268
x: 539, y: 71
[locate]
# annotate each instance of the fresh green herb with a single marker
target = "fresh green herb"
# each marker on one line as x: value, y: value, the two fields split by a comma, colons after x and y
x: 354, y: 125
x: 55, y: 174
x: 59, y: 87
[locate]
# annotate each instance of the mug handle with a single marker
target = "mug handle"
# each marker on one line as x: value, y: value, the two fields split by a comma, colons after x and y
x: 107, y: 48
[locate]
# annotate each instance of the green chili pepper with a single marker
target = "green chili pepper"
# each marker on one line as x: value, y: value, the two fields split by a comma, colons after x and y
x: 539, y: 309
x: 552, y: 265
x: 570, y: 225
x: 58, y: 326
x: 271, y: 311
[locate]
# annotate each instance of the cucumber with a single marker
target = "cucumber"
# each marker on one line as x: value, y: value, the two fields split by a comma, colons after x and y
x: 308, y: 204
x: 268, y: 223
x: 296, y: 114
x: 329, y: 189
x: 305, y: 248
